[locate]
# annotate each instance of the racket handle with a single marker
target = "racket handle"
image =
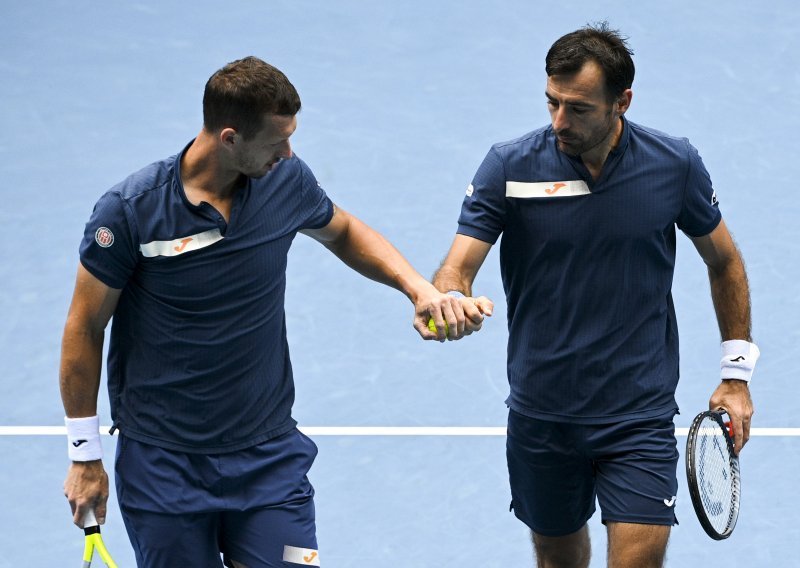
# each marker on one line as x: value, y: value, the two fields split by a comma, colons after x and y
x: 729, y: 426
x: 90, y: 520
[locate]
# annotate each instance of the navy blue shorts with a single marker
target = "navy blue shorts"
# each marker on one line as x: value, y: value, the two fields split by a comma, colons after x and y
x: 253, y: 506
x: 558, y: 469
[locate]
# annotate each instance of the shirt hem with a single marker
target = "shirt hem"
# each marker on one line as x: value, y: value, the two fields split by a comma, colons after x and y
x: 708, y: 229
x: 477, y: 233
x: 672, y: 407
x: 203, y: 449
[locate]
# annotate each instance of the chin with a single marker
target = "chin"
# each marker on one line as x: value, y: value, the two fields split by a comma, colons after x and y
x: 569, y: 150
x: 261, y: 173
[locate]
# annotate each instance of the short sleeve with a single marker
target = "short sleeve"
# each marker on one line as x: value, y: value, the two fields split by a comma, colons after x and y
x: 108, y: 250
x: 700, y: 212
x: 483, y: 211
x: 316, y: 206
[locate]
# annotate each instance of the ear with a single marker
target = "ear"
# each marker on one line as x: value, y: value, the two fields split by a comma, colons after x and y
x: 228, y: 137
x: 624, y: 101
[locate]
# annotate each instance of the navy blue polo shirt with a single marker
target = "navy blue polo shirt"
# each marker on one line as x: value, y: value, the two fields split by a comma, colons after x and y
x: 198, y: 359
x: 587, y: 269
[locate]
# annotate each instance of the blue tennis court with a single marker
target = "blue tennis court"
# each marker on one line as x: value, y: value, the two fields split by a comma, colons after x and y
x: 401, y: 101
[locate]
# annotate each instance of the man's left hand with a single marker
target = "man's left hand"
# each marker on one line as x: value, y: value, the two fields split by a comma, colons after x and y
x: 733, y: 396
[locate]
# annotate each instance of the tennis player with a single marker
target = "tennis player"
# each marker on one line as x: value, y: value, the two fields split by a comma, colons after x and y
x: 587, y: 207
x: 189, y: 257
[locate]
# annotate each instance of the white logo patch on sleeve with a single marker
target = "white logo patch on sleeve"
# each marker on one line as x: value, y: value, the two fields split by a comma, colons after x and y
x: 301, y: 556
x: 180, y: 245
x: 539, y: 189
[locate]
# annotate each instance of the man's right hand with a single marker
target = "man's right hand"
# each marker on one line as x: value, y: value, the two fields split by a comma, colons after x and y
x: 475, y: 309
x: 86, y: 487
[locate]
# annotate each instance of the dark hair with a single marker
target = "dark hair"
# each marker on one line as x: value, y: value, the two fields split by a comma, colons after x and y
x: 241, y: 93
x: 596, y: 43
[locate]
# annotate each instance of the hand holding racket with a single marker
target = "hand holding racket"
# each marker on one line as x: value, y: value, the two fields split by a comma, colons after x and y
x: 712, y: 471
x: 93, y: 541
x: 734, y: 397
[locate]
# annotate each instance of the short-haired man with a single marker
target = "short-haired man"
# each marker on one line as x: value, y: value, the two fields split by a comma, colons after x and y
x: 587, y: 207
x: 189, y: 257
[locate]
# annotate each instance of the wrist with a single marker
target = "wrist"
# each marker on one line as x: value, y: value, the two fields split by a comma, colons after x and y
x: 83, y: 439
x: 738, y: 360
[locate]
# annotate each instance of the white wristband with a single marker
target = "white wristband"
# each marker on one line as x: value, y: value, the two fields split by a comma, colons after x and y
x: 456, y: 294
x: 738, y: 360
x: 83, y: 438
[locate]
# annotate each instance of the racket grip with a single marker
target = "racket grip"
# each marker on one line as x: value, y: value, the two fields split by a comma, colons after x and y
x: 90, y: 520
x: 729, y: 426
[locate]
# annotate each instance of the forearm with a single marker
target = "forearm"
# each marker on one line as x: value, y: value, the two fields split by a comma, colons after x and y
x: 449, y: 278
x: 81, y: 360
x: 730, y: 294
x: 459, y: 268
x: 367, y: 252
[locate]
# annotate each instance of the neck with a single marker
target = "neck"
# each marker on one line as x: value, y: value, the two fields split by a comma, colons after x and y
x: 203, y: 171
x: 595, y: 158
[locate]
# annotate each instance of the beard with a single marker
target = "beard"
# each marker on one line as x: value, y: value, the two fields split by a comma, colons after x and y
x: 574, y: 144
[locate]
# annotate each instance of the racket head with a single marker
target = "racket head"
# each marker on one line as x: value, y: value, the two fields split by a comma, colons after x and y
x: 712, y: 472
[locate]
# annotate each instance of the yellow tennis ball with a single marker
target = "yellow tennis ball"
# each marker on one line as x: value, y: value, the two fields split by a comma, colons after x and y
x: 432, y: 327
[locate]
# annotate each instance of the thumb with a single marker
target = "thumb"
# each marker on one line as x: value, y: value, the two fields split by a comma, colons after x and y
x: 485, y: 305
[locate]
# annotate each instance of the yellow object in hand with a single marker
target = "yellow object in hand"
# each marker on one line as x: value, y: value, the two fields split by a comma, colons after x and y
x: 432, y: 327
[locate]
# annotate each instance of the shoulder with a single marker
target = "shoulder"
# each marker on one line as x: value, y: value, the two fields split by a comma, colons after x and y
x: 287, y: 171
x: 515, y: 156
x: 536, y: 140
x: 146, y: 182
x: 656, y: 141
x: 653, y: 133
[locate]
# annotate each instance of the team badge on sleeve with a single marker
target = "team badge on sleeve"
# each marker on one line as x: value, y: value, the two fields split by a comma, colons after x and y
x: 104, y: 237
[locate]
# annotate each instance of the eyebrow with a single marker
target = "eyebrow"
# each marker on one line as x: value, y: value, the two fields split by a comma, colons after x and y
x: 578, y: 104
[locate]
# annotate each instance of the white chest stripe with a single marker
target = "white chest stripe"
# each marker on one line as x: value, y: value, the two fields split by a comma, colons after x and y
x: 180, y: 245
x: 526, y: 190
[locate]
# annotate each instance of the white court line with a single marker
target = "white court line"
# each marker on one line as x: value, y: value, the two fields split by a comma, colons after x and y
x: 375, y: 431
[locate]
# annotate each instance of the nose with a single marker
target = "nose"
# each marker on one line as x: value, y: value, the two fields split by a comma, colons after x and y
x: 285, y: 151
x: 559, y: 119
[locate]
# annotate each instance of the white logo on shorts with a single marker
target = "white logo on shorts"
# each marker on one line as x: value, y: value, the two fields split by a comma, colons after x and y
x: 670, y: 502
x: 470, y: 189
x: 302, y: 556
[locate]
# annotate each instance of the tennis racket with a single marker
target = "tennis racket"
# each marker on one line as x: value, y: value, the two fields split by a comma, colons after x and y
x: 712, y: 470
x: 93, y: 541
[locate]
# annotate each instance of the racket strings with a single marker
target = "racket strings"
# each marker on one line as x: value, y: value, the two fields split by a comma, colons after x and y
x: 717, y: 482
